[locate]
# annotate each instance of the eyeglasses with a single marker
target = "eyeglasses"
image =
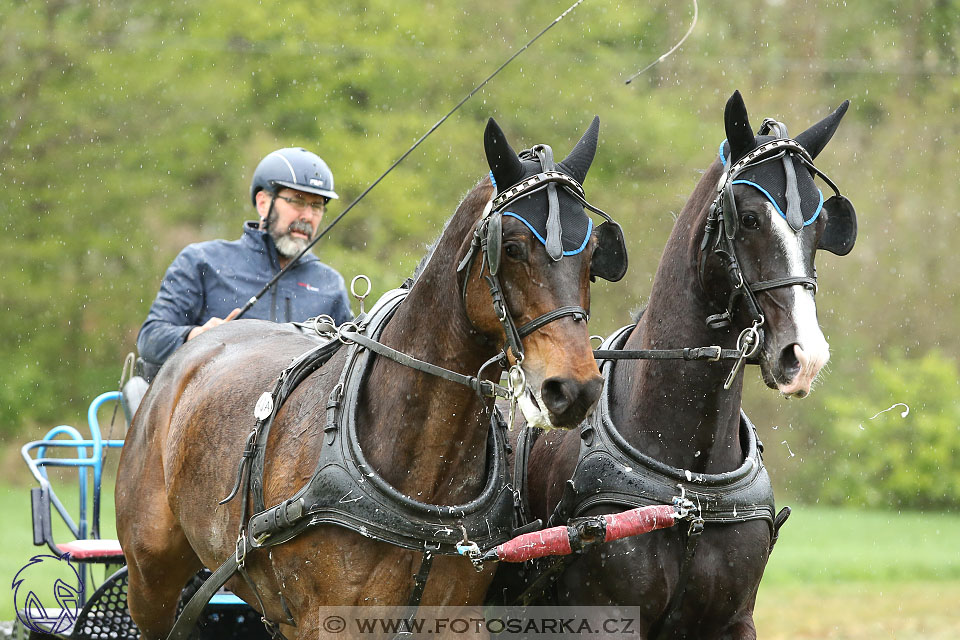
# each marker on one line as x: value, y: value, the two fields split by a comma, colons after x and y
x: 299, y: 203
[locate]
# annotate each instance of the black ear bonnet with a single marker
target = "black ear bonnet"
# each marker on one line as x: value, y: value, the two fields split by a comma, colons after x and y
x: 574, y: 225
x: 547, y: 197
x: 785, y: 176
x: 770, y: 178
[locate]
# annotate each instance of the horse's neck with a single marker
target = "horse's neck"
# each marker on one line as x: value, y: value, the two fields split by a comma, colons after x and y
x: 425, y: 435
x: 673, y: 410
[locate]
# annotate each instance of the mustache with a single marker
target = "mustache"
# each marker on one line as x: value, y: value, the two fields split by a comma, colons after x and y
x: 302, y: 227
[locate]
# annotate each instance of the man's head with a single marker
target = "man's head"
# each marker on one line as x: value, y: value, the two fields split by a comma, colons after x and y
x: 290, y: 189
x: 291, y: 217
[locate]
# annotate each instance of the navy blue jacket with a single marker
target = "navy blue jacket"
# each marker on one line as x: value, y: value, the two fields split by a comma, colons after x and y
x: 211, y: 279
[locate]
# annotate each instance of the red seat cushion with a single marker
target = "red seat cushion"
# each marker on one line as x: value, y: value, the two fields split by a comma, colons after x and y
x: 90, y: 549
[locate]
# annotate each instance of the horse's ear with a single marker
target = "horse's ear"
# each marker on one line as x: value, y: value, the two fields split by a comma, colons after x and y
x: 816, y: 137
x: 737, y: 126
x: 578, y: 162
x: 504, y: 163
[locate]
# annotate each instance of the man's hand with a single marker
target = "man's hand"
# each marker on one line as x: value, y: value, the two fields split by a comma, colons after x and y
x: 211, y: 323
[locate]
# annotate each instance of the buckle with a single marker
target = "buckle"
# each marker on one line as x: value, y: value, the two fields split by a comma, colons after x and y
x: 240, y: 554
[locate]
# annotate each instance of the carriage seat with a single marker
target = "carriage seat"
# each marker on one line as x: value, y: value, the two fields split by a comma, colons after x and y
x: 108, y: 551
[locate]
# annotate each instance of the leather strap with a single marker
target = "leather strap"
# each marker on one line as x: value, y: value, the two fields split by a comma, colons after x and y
x: 804, y: 281
x: 577, y: 312
x: 689, y: 353
x: 419, y: 584
x: 676, y: 602
x: 483, y: 387
x: 194, y: 608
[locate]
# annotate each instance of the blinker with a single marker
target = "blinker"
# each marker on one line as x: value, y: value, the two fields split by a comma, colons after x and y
x: 494, y: 241
x: 548, y: 198
x: 840, y: 233
x: 729, y: 211
x: 609, y: 259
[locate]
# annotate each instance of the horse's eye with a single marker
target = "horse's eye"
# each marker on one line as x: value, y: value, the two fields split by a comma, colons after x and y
x: 750, y: 221
x: 515, y: 250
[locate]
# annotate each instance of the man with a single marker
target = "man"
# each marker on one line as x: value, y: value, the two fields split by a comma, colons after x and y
x: 209, y: 281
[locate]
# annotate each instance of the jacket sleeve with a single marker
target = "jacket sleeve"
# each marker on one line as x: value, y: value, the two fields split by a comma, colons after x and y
x: 175, y: 311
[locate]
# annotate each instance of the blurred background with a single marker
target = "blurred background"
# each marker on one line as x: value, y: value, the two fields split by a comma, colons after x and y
x: 130, y: 129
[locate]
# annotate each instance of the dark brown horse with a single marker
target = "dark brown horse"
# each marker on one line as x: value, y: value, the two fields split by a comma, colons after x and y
x: 425, y: 436
x: 741, y: 255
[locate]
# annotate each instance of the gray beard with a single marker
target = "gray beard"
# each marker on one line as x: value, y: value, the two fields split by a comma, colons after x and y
x: 287, y: 245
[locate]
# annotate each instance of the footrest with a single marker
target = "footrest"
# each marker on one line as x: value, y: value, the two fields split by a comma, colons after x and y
x: 93, y: 550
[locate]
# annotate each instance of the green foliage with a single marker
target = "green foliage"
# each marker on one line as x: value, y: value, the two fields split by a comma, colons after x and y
x: 882, y: 458
x: 130, y: 129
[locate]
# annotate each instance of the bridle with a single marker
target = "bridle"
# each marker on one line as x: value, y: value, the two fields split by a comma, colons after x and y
x: 720, y: 234
x: 487, y: 239
x: 718, y: 238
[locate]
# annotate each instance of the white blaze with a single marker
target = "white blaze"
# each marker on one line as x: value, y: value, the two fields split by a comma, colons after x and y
x: 812, y: 351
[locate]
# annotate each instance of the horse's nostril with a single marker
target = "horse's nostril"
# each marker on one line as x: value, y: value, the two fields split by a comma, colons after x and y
x: 789, y: 364
x: 562, y: 395
x: 558, y: 394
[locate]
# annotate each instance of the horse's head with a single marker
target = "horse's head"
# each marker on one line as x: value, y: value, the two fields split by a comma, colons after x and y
x: 534, y: 249
x: 769, y: 218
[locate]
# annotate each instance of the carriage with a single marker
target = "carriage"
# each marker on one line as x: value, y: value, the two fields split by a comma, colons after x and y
x: 97, y: 610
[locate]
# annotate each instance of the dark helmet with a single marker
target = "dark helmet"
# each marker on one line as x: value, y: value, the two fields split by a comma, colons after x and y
x: 295, y: 168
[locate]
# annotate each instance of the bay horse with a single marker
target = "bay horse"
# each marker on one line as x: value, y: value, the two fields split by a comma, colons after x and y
x: 425, y: 436
x: 737, y: 272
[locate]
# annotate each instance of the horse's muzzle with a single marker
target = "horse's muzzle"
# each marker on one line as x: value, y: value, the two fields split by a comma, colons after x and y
x: 569, y: 401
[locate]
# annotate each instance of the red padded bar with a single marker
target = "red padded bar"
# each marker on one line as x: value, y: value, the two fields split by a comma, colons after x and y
x: 550, y: 542
x: 639, y: 520
x: 89, y: 549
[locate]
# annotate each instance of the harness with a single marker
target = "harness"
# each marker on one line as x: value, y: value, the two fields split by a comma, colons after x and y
x: 611, y: 473
x: 344, y: 489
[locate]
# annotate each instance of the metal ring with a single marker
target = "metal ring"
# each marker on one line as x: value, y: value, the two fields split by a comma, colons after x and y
x: 344, y: 327
x: 516, y: 381
x: 327, y: 320
x: 353, y: 288
x: 742, y: 339
x: 599, y: 338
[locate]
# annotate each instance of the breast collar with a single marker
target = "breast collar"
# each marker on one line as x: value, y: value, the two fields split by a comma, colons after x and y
x: 611, y: 472
x: 346, y: 491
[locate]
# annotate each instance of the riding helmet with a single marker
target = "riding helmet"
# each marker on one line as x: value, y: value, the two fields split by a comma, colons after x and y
x: 295, y: 168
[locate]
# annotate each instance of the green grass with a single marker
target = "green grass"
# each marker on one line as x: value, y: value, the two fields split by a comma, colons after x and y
x: 908, y: 610
x: 835, y: 573
x: 822, y: 545
x: 862, y: 575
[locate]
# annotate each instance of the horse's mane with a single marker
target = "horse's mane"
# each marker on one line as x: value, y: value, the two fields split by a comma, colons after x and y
x: 474, y: 200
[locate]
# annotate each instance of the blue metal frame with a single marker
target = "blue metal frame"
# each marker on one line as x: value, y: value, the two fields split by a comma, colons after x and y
x: 96, y: 445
